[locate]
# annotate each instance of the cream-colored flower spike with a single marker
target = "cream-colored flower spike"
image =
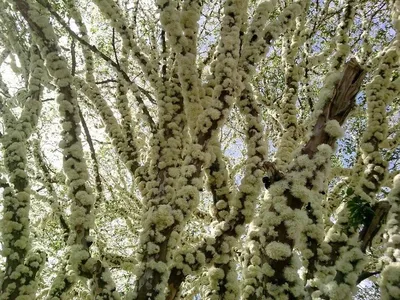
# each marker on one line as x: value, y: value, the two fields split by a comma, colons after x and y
x: 390, y: 283
x: 23, y: 265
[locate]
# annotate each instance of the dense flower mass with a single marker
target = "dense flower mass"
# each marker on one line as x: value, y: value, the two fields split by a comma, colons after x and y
x: 182, y: 149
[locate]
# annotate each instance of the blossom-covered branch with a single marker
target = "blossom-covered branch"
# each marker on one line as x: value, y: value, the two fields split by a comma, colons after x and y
x: 22, y: 265
x: 391, y: 273
x: 74, y: 165
x: 271, y: 264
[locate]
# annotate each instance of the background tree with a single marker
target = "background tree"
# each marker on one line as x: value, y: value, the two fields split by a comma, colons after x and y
x: 199, y: 149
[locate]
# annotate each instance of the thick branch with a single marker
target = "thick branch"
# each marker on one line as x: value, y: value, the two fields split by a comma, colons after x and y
x: 367, y: 234
x: 74, y: 164
x: 366, y: 275
x: 338, y: 108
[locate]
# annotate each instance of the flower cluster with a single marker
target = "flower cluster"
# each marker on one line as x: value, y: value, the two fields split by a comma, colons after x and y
x: 113, y: 12
x: 288, y: 109
x: 390, y: 283
x: 21, y: 265
x: 74, y: 165
x: 349, y: 257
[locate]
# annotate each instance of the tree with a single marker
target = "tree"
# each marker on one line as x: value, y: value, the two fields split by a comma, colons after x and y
x: 199, y: 149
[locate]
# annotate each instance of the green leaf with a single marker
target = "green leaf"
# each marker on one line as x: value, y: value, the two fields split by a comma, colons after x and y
x: 349, y: 191
x: 360, y: 211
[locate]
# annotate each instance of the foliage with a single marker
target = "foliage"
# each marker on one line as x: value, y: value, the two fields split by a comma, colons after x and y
x: 360, y: 210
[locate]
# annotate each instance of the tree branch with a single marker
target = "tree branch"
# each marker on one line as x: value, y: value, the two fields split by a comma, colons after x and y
x: 94, y: 49
x: 367, y: 234
x: 366, y: 275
